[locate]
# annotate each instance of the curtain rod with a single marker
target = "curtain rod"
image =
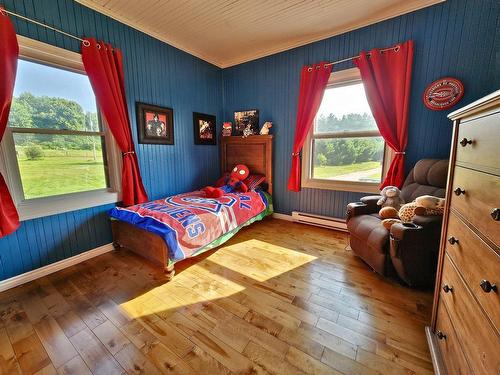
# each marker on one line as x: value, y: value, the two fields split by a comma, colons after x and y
x: 2, y: 10
x: 395, y: 48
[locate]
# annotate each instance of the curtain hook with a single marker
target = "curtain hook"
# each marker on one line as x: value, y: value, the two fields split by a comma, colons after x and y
x: 309, y: 69
x: 397, y: 48
x: 86, y: 43
x: 3, y: 12
x: 98, y: 46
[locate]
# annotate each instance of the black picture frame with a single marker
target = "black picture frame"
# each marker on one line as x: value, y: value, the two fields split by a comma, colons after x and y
x: 244, y: 118
x: 205, y: 129
x: 151, y: 130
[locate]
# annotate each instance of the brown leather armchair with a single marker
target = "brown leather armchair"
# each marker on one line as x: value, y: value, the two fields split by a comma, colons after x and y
x: 410, y: 250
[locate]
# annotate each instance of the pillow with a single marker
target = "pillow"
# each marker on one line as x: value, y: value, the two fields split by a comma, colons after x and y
x: 254, y: 180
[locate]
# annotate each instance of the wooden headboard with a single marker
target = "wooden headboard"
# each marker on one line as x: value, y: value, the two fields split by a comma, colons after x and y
x: 254, y: 151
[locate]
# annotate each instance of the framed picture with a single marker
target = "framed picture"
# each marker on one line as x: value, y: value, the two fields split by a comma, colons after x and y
x: 204, y: 129
x: 246, y: 120
x: 155, y: 125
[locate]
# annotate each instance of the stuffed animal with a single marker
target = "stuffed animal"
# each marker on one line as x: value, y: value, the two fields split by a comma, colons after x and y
x: 391, y: 197
x: 265, y: 128
x: 425, y: 205
x: 429, y: 201
x: 387, y: 223
x: 229, y: 184
x: 388, y: 213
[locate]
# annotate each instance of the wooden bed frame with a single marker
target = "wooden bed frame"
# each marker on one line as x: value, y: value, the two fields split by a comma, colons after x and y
x: 254, y: 151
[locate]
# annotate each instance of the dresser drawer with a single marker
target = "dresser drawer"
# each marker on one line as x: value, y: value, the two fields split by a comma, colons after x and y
x: 482, y: 152
x: 449, y: 346
x: 476, y: 262
x: 478, y: 195
x: 478, y: 339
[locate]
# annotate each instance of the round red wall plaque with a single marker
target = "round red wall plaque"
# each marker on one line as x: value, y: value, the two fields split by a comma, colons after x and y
x: 443, y: 93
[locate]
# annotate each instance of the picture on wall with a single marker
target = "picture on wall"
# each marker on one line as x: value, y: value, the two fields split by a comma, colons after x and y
x: 247, y: 121
x: 204, y: 129
x: 155, y: 125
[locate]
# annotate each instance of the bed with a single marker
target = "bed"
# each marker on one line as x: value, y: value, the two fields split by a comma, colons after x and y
x: 171, y: 229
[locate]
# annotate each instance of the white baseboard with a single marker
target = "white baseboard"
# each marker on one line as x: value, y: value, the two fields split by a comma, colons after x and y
x: 282, y: 216
x: 342, y: 227
x: 54, y: 267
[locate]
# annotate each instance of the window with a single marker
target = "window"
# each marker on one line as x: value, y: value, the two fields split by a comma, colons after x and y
x: 344, y: 150
x: 58, y: 153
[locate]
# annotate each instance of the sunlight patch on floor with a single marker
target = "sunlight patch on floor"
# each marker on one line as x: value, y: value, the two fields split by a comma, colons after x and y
x: 181, y: 293
x: 253, y: 259
x: 260, y: 260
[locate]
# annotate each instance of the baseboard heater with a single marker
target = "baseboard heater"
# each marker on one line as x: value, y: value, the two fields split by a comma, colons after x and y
x: 320, y: 221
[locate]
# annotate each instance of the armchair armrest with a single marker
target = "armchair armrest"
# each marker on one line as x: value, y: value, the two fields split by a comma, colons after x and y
x: 366, y: 206
x: 414, y: 249
x: 424, y: 231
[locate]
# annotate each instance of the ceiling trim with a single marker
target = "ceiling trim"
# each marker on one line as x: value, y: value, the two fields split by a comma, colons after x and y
x: 385, y: 14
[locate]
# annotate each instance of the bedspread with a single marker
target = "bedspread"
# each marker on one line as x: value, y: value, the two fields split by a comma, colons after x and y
x: 190, y: 223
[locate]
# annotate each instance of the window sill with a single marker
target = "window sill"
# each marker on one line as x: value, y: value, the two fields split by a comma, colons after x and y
x: 39, y: 207
x: 359, y: 187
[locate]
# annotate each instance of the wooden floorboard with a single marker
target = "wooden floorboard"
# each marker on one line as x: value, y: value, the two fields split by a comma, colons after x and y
x: 278, y: 298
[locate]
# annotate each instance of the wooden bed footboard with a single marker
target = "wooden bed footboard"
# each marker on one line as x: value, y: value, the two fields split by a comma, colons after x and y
x: 143, y: 243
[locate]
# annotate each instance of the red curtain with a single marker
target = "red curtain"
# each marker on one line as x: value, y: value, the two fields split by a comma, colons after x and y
x: 386, y: 76
x: 104, y: 67
x: 9, y: 51
x: 313, y: 80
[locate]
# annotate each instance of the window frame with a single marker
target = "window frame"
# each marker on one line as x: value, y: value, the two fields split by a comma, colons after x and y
x: 46, y: 54
x: 340, y: 78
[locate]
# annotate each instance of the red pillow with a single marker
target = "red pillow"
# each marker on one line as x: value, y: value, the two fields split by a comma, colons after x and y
x: 254, y: 180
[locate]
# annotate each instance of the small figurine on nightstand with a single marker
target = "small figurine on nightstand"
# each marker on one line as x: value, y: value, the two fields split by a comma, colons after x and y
x: 227, y: 129
x: 265, y: 128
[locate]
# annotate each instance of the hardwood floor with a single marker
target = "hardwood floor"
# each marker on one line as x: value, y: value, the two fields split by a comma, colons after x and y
x: 279, y: 298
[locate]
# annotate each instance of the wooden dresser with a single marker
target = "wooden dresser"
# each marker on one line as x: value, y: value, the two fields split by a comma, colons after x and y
x: 464, y: 336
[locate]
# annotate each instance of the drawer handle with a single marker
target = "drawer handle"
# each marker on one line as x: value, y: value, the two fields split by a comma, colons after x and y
x: 495, y: 214
x: 452, y: 240
x: 447, y: 288
x: 440, y: 335
x: 458, y: 191
x: 487, y: 287
x: 464, y: 142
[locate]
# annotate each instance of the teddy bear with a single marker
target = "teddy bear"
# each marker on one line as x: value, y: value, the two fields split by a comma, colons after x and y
x: 426, y: 205
x: 390, y: 197
x: 229, y: 184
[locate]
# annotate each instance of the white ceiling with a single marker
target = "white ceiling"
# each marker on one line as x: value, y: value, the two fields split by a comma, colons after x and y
x: 229, y: 32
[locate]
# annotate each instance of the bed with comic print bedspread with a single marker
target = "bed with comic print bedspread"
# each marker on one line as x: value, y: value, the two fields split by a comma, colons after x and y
x: 190, y: 223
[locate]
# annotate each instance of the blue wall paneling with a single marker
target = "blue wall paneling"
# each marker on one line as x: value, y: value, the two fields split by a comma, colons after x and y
x: 155, y: 73
x: 458, y: 38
